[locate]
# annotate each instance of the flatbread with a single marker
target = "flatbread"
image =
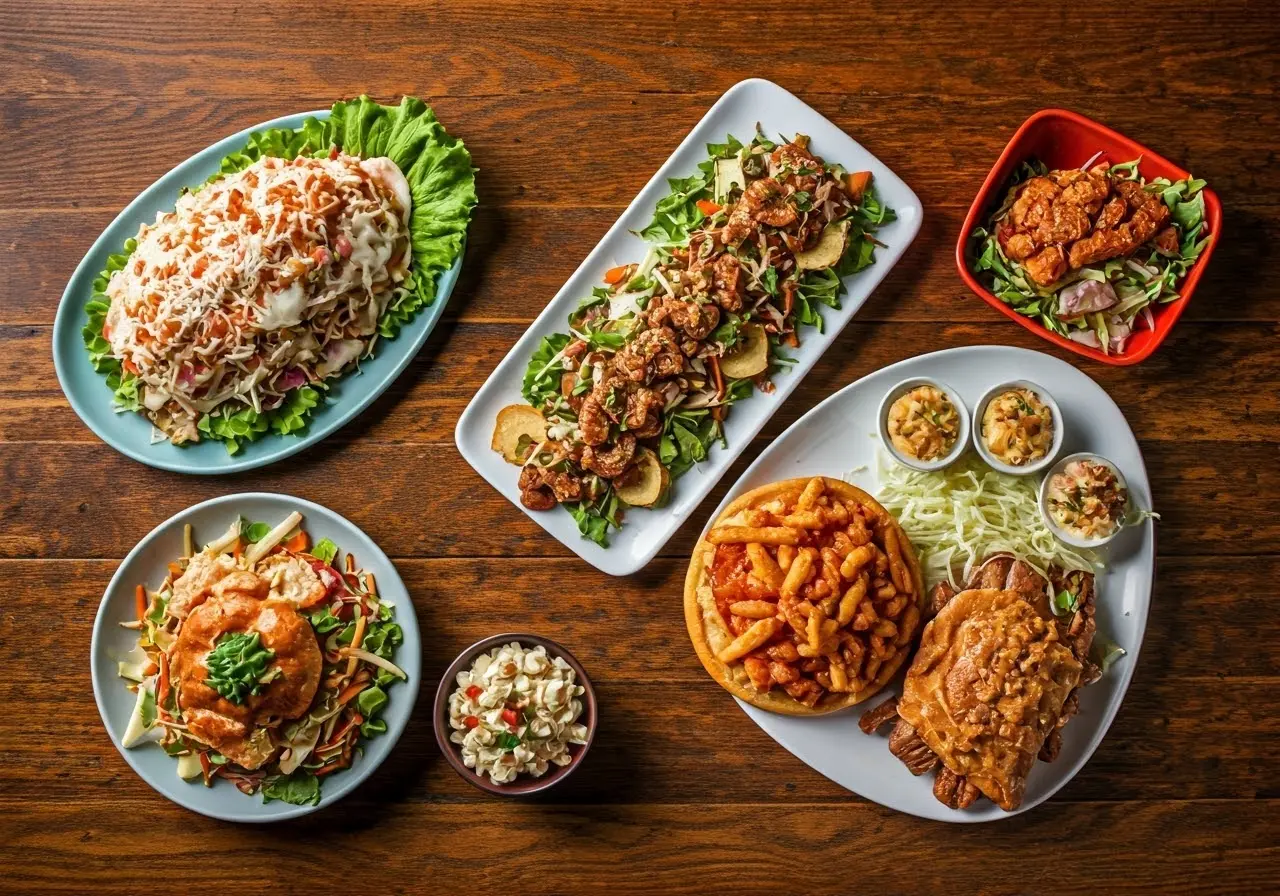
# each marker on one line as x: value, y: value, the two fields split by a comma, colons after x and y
x: 710, y: 633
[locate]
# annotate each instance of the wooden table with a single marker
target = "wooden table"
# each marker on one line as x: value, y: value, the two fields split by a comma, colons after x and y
x: 568, y: 108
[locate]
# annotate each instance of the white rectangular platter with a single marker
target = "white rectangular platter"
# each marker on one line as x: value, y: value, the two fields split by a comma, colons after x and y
x: 644, y: 532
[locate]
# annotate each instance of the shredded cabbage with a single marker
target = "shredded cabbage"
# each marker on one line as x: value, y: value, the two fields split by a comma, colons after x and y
x: 959, y: 516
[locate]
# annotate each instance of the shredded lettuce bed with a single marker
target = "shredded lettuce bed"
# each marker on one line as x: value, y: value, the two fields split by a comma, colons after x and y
x: 442, y: 182
x: 959, y: 516
x: 1139, y: 281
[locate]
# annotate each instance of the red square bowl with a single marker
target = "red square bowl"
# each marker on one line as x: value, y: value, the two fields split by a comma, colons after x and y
x: 1063, y: 139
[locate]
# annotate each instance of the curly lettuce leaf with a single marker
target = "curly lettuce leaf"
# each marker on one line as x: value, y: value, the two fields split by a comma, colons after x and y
x: 442, y: 183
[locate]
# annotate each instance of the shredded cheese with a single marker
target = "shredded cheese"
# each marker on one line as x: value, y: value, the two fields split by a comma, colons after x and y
x: 259, y: 283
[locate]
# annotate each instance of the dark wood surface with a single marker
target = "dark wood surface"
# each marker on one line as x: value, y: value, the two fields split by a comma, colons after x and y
x: 568, y: 109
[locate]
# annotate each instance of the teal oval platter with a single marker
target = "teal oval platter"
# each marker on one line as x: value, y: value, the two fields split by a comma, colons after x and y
x: 129, y: 432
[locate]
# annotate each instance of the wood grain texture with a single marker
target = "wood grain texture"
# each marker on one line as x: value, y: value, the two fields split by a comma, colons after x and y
x: 568, y: 109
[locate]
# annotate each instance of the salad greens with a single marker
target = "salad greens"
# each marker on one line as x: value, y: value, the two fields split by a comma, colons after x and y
x: 349, y: 704
x: 1138, y: 282
x: 442, y: 184
x: 691, y: 429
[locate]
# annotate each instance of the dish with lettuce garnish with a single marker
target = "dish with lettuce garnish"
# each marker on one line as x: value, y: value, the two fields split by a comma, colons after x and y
x: 743, y: 255
x: 263, y: 659
x: 1089, y: 251
x: 231, y: 316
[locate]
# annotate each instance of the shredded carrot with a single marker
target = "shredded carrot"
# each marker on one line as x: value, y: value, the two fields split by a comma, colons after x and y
x: 614, y: 276
x: 162, y: 688
x: 151, y: 669
x: 298, y: 543
x: 175, y: 569
x: 857, y: 182
x: 140, y: 602
x: 336, y: 767
x: 130, y: 366
x: 351, y: 691
x: 355, y: 643
x: 370, y: 584
x: 237, y: 549
x: 717, y: 376
x: 707, y: 207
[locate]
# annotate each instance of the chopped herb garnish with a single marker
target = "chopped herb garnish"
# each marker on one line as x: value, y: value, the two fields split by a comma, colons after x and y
x: 236, y: 664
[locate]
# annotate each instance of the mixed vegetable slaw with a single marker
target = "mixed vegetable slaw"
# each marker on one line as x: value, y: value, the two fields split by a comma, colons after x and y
x: 355, y: 633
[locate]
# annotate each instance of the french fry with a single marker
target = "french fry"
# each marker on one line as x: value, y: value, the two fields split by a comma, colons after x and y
x: 897, y: 569
x: 756, y: 636
x: 799, y: 572
x: 774, y: 535
x: 813, y: 490
x: 839, y: 678
x: 857, y: 559
x: 907, y: 626
x: 814, y: 631
x: 806, y: 519
x: 852, y: 598
x: 786, y: 556
x: 754, y: 609
x: 764, y: 567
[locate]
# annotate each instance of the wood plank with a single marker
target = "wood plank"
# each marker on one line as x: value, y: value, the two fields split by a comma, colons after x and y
x: 1208, y: 621
x: 77, y: 49
x: 1214, y: 497
x: 602, y: 164
x: 424, y: 404
x: 1210, y: 847
x: 658, y: 702
x: 1157, y: 748
x: 544, y: 246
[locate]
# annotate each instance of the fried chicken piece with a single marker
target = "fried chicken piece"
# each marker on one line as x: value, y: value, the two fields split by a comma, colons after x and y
x: 1084, y: 189
x: 726, y: 282
x: 542, y: 488
x: 1065, y: 222
x: 1112, y: 213
x: 1147, y: 215
x: 954, y: 791
x: 1047, y: 266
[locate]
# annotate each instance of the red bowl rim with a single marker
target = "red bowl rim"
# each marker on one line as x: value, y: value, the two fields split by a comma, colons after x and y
x: 994, y: 180
x: 523, y: 785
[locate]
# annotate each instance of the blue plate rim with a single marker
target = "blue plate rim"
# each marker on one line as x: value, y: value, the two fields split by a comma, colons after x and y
x: 68, y: 323
x: 407, y: 620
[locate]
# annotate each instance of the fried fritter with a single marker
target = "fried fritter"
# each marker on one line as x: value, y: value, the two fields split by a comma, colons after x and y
x: 1067, y: 219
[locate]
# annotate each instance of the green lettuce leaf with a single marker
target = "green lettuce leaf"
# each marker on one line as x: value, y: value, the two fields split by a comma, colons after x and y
x: 442, y: 183
x: 298, y: 789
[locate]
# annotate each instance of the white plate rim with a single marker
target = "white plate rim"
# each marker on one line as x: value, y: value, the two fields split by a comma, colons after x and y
x: 472, y: 433
x: 255, y: 811
x: 1136, y: 477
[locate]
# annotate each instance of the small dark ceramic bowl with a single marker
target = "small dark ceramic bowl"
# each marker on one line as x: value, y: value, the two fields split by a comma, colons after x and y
x: 523, y: 785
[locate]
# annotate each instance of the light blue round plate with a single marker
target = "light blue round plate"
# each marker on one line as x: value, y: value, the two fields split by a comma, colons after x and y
x: 147, y: 564
x: 130, y: 433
